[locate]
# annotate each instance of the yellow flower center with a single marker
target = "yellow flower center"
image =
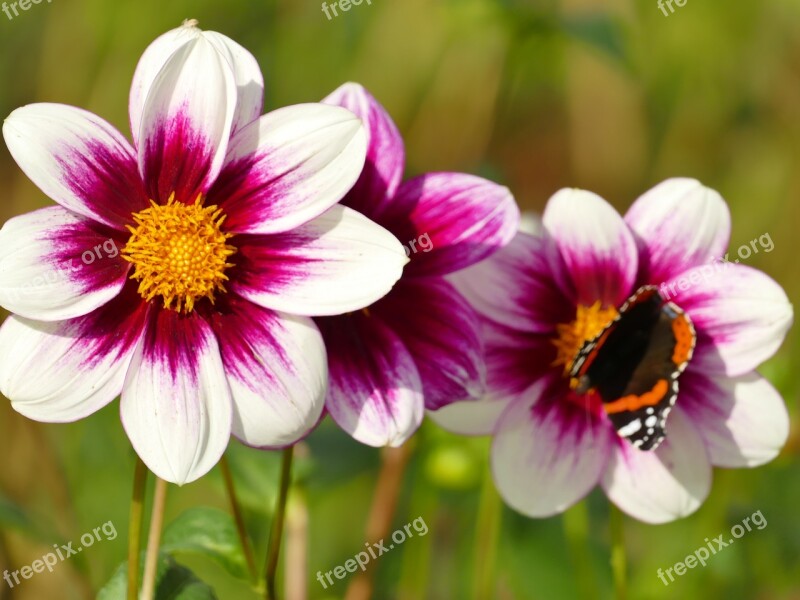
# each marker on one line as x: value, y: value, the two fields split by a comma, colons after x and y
x: 589, y: 321
x: 179, y: 252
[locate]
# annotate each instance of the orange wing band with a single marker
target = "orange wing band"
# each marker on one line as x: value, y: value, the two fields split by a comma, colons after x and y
x: 630, y: 403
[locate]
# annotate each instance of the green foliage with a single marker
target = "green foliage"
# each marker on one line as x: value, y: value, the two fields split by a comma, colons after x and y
x: 541, y: 95
x: 208, y: 532
x: 173, y: 582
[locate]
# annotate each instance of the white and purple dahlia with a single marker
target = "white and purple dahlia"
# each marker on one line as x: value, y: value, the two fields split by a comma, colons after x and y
x: 546, y: 294
x: 181, y: 270
x: 419, y: 347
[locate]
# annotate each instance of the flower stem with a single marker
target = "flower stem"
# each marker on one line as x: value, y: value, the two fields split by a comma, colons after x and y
x: 576, y: 530
x: 296, y: 564
x: 381, y: 513
x: 276, y: 533
x: 486, y: 536
x: 135, y: 527
x: 154, y: 540
x: 618, y: 559
x: 247, y: 549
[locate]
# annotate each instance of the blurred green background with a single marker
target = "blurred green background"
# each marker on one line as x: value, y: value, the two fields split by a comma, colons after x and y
x: 610, y: 96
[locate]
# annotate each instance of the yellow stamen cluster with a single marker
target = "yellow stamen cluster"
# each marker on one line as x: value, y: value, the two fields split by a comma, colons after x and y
x: 179, y: 252
x: 589, y: 321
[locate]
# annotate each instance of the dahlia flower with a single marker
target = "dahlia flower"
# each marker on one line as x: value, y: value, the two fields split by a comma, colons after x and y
x: 181, y: 270
x: 548, y: 302
x: 419, y: 346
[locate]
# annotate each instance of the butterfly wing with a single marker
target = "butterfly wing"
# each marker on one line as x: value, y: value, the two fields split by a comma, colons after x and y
x: 634, y: 365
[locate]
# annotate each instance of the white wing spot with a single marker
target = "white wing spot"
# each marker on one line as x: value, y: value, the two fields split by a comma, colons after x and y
x: 630, y: 428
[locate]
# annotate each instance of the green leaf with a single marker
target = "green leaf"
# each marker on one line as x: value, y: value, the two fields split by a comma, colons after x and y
x: 173, y: 582
x: 208, y: 532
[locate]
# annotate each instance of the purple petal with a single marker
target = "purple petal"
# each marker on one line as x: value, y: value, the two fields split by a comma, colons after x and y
x: 441, y: 331
x: 78, y: 160
x: 375, y: 391
x: 596, y: 246
x: 678, y: 224
x: 548, y: 453
x: 289, y: 167
x: 449, y: 221
x: 276, y: 368
x: 57, y: 265
x: 743, y: 420
x: 67, y: 370
x: 516, y: 287
x: 385, y: 162
x: 663, y: 485
x: 515, y: 360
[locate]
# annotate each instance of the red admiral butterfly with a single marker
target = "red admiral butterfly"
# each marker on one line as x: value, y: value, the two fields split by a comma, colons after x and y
x: 634, y: 364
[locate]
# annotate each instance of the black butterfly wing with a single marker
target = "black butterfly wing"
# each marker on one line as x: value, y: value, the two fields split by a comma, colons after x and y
x: 635, y: 363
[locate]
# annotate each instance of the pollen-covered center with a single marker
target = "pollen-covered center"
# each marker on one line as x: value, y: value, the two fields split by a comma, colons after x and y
x: 179, y: 252
x: 589, y: 321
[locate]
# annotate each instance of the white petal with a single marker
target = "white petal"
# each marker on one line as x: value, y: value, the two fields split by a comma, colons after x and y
x: 337, y: 263
x: 78, y: 160
x: 665, y: 484
x: 66, y: 370
x: 277, y: 370
x: 150, y: 64
x: 375, y: 392
x: 547, y: 453
x: 56, y: 265
x: 679, y: 224
x: 176, y: 403
x: 187, y: 122
x: 246, y: 74
x: 473, y: 417
x: 594, y: 243
x: 289, y: 167
x: 743, y: 420
x: 741, y: 315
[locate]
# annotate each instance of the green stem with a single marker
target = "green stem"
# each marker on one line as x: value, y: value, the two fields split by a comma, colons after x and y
x: 576, y: 530
x: 247, y: 549
x: 487, y: 531
x: 154, y: 540
x: 278, y: 518
x: 618, y: 558
x: 135, y: 527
